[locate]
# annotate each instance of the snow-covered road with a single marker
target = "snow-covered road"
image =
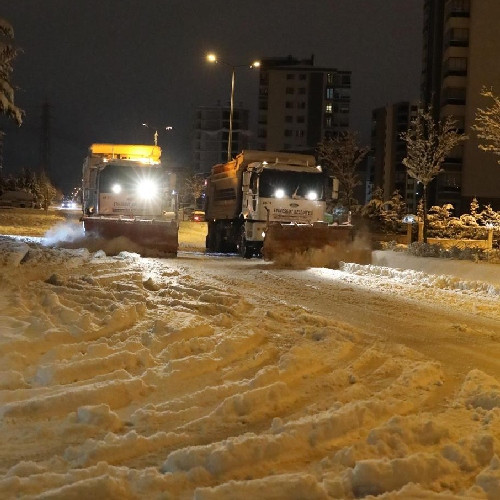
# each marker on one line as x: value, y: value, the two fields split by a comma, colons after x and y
x: 218, y: 377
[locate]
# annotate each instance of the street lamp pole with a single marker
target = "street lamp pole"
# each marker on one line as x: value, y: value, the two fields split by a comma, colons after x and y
x: 155, y: 135
x: 214, y: 59
x: 231, y: 112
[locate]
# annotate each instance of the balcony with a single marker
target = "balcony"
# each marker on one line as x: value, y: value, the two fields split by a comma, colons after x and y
x: 457, y: 8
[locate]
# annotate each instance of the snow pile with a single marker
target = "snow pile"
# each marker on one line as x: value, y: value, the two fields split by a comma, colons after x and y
x: 210, y: 378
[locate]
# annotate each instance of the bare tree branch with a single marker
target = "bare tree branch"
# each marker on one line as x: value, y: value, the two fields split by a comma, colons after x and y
x: 487, y: 124
x: 341, y: 156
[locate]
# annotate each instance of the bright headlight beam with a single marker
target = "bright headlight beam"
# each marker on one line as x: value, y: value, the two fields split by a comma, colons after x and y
x: 279, y: 193
x: 116, y: 188
x: 147, y: 189
x: 312, y: 195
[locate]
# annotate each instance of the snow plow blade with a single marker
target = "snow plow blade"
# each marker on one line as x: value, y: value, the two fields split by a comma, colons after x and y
x: 284, y: 240
x: 150, y: 234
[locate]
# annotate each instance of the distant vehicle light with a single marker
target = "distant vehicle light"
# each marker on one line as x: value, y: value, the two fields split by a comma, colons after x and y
x: 410, y: 219
x: 68, y: 204
x: 197, y: 216
x: 116, y: 188
x: 147, y: 189
x: 312, y: 195
x: 279, y: 193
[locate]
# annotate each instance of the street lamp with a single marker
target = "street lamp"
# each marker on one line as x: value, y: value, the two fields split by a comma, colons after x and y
x: 212, y: 58
x: 156, y: 131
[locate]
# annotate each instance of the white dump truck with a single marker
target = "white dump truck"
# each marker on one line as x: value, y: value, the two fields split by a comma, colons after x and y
x: 264, y: 202
x: 126, y: 193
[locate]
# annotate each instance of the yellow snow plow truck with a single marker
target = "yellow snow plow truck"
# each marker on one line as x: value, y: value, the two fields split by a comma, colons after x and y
x: 126, y: 194
x: 265, y: 203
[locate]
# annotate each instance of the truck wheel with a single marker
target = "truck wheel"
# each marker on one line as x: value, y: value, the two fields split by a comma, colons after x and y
x: 210, y: 239
x: 243, y: 248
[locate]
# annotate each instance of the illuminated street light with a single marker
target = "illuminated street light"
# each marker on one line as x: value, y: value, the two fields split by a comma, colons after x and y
x: 168, y: 127
x: 212, y: 58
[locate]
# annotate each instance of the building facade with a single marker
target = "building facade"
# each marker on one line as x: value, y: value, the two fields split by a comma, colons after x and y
x: 386, y: 169
x: 211, y: 132
x: 300, y: 104
x: 460, y: 57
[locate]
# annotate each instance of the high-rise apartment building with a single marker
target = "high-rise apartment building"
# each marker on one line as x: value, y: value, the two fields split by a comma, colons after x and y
x: 300, y: 104
x: 460, y: 57
x: 386, y: 169
x: 211, y: 132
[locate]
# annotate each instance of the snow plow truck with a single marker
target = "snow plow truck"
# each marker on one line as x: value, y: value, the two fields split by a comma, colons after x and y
x: 125, y: 194
x: 263, y: 203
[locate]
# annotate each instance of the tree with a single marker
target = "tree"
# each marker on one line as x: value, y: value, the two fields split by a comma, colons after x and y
x: 8, y: 53
x: 341, y: 156
x: 194, y: 187
x: 46, y: 191
x: 428, y: 143
x: 487, y: 124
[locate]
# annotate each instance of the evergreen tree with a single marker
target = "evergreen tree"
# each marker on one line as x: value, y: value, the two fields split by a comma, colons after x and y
x: 8, y: 53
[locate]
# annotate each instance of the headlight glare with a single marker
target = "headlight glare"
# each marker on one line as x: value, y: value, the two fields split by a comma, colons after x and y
x: 279, y: 193
x: 147, y: 189
x: 116, y: 188
x: 312, y: 195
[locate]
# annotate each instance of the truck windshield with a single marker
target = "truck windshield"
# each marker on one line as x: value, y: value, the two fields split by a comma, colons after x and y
x: 127, y: 177
x: 289, y: 184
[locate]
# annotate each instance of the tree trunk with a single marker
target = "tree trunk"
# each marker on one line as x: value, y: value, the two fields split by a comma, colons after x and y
x: 424, y: 206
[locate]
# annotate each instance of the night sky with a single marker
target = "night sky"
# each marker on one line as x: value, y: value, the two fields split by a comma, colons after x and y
x: 107, y: 66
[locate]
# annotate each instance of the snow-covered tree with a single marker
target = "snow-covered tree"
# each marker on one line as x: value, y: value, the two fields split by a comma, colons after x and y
x: 373, y: 209
x: 8, y: 53
x: 341, y: 155
x: 487, y: 124
x: 428, y: 143
x: 194, y: 187
x: 394, y: 211
x: 46, y: 191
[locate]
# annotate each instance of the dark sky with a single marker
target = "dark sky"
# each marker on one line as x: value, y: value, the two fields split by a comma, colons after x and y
x: 107, y: 66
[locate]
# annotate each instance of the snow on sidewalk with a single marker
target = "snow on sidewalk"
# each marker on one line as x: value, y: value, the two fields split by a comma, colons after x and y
x: 465, y: 270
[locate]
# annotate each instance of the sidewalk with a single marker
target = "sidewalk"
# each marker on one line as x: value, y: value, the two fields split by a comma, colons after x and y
x: 466, y: 270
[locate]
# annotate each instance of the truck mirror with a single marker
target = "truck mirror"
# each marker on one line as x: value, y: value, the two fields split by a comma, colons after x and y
x: 246, y: 180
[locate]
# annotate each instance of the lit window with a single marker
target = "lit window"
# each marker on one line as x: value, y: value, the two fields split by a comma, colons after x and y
x: 329, y: 92
x: 328, y: 108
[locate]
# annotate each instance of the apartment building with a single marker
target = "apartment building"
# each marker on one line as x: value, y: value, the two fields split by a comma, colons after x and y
x: 460, y: 57
x: 211, y: 133
x: 385, y: 165
x: 300, y: 104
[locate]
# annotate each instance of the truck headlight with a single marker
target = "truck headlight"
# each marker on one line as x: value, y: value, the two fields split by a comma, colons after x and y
x: 279, y: 193
x: 147, y: 189
x: 312, y: 195
x: 116, y: 188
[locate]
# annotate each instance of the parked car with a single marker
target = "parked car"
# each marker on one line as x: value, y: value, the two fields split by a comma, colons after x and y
x: 197, y: 216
